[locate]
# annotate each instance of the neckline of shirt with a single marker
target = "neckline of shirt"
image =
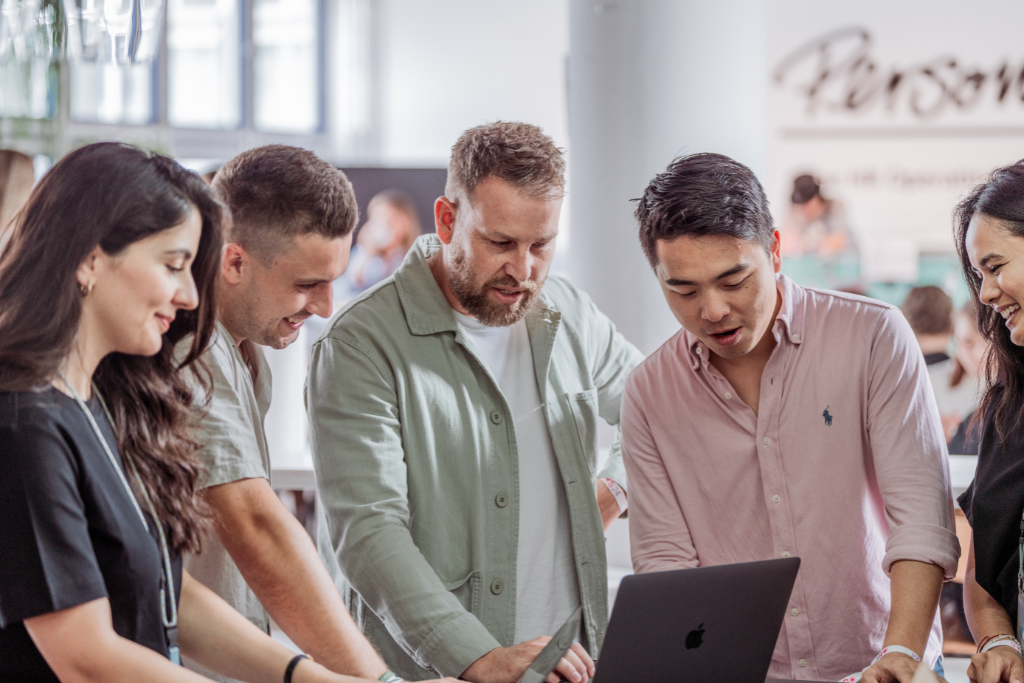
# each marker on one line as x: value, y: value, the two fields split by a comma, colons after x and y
x: 473, y: 325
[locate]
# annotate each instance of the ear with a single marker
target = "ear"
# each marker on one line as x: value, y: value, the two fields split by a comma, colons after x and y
x: 444, y: 219
x: 234, y: 263
x: 88, y: 269
x: 776, y: 251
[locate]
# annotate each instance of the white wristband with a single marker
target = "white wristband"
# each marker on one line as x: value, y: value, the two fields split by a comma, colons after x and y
x: 620, y: 495
x: 897, y: 648
x: 854, y: 678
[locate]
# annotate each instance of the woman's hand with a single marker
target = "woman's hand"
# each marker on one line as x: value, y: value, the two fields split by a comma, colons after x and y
x: 998, y: 665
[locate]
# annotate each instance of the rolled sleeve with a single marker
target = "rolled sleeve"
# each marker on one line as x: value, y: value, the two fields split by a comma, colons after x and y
x: 659, y: 536
x: 909, y: 451
x: 226, y: 429
x: 361, y: 477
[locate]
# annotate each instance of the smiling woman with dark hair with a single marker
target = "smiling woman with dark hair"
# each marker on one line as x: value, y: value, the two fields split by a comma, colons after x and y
x: 990, y: 240
x: 114, y: 260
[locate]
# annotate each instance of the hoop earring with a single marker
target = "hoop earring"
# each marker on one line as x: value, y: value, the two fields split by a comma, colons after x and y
x: 87, y: 289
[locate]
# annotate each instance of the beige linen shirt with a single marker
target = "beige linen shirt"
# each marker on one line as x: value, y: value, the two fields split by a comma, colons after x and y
x: 844, y: 466
x: 234, y: 447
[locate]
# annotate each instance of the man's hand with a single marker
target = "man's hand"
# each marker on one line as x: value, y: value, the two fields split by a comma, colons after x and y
x: 998, y: 664
x: 507, y: 664
x: 892, y: 668
x: 607, y: 504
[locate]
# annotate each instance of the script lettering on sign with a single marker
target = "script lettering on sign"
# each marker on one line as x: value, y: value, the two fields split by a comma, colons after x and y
x: 837, y: 73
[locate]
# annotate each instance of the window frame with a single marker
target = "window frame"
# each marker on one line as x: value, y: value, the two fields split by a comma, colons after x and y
x: 56, y: 136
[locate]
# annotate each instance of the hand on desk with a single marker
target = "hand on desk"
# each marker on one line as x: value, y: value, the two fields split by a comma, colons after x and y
x: 1000, y: 664
x: 895, y: 667
x: 507, y: 664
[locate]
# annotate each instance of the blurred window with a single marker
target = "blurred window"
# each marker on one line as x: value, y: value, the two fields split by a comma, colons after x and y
x: 28, y: 89
x: 286, y: 65
x: 106, y: 93
x: 204, y: 63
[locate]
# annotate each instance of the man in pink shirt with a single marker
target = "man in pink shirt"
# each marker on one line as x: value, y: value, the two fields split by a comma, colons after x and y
x: 786, y: 421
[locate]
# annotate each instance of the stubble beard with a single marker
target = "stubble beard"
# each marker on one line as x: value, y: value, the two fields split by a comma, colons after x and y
x: 477, y: 301
x: 243, y: 321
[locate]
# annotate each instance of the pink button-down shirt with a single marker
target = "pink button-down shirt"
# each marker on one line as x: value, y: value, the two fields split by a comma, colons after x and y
x: 844, y: 466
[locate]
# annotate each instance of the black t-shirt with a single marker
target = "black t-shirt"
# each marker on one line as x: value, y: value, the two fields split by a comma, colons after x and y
x: 69, y: 532
x: 993, y: 504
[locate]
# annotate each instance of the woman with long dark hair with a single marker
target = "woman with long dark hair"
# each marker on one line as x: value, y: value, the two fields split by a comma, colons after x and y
x: 114, y: 260
x: 989, y: 230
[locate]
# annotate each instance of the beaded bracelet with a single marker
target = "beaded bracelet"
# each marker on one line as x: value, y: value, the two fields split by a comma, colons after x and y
x: 1002, y: 640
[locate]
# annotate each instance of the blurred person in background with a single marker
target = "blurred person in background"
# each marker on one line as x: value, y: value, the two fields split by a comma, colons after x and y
x: 965, y: 379
x: 16, y: 179
x: 392, y: 225
x: 98, y: 457
x: 814, y: 225
x: 989, y: 234
x: 929, y: 310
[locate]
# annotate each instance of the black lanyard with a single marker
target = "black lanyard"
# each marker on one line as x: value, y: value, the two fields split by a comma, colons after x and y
x: 170, y: 622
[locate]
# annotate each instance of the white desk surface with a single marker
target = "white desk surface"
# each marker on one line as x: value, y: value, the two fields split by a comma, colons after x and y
x: 961, y: 471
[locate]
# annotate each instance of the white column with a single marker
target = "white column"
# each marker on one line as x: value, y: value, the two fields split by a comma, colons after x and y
x: 650, y: 80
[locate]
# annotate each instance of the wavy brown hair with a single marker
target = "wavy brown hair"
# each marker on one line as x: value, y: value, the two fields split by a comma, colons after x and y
x: 1001, y: 198
x: 114, y: 195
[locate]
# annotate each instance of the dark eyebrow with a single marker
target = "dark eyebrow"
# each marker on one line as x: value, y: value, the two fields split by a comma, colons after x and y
x: 987, y: 258
x: 179, y: 252
x: 688, y: 283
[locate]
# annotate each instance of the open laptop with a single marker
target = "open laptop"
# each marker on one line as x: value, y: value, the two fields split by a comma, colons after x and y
x: 545, y: 662
x: 702, y: 625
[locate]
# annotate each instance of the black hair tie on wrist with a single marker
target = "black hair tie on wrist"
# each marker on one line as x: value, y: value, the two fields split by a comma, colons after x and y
x: 291, y: 667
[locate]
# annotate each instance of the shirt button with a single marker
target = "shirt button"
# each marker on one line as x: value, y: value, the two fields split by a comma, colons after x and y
x: 497, y: 586
x: 501, y: 500
x: 802, y: 663
x: 795, y: 612
x: 785, y: 553
x: 796, y: 338
x: 728, y: 395
x: 777, y: 498
x: 496, y: 417
x: 766, y: 441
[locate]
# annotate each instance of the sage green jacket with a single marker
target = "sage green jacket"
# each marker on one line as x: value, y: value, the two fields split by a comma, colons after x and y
x: 416, y: 465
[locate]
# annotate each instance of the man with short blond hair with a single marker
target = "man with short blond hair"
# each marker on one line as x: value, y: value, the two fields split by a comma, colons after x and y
x: 453, y: 413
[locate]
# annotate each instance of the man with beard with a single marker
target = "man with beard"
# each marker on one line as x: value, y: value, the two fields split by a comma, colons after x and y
x: 453, y: 413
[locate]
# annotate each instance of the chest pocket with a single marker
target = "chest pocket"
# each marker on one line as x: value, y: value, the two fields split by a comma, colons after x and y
x: 583, y: 407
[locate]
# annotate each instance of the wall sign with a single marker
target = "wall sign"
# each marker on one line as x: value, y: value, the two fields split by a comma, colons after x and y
x: 896, y: 110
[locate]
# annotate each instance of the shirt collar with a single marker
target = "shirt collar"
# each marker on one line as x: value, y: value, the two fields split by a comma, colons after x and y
x: 788, y: 326
x: 427, y: 311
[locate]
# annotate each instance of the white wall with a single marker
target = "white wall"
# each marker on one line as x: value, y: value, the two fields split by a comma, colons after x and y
x: 650, y: 80
x: 448, y: 65
x: 436, y: 69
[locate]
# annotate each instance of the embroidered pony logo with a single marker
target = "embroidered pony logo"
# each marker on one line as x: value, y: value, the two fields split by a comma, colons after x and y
x: 827, y: 416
